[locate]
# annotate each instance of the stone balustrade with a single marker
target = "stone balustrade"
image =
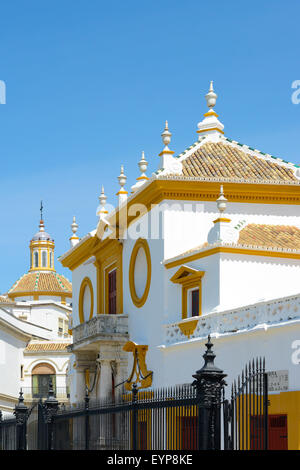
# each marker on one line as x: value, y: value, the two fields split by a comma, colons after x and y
x: 101, y: 327
x: 262, y: 313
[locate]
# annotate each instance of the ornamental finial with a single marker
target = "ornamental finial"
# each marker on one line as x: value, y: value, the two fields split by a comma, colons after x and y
x: 143, y: 165
x: 74, y: 227
x: 102, y: 199
x: 211, y: 96
x: 122, y: 178
x: 221, y: 201
x: 166, y: 137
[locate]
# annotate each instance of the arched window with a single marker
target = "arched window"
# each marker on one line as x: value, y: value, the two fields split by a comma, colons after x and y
x: 44, y: 259
x: 41, y: 376
x: 36, y: 259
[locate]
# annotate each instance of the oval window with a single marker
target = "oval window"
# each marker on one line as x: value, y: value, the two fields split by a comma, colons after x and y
x: 140, y: 272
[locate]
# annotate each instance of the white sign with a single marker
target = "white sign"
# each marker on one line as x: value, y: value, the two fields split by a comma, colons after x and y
x: 278, y: 380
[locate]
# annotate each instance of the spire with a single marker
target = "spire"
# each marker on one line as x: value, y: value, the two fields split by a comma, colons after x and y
x: 122, y: 178
x: 166, y: 138
x: 143, y: 165
x: 102, y: 198
x: 167, y: 161
x: 74, y: 227
x: 42, y: 248
x: 210, y: 125
x: 41, y: 225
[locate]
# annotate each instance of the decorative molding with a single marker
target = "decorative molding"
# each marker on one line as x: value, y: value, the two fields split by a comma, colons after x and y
x: 85, y: 284
x: 141, y: 243
x: 188, y: 327
x: 139, y: 368
x: 245, y: 318
x: 189, y: 278
x: 221, y: 247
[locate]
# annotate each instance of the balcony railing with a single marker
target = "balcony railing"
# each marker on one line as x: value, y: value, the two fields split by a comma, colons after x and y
x: 102, y: 327
x: 29, y: 393
x: 285, y: 309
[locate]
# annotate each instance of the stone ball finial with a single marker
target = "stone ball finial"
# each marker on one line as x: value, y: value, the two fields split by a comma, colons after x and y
x: 221, y: 201
x: 166, y: 136
x: 122, y: 178
x: 74, y: 225
x: 211, y: 96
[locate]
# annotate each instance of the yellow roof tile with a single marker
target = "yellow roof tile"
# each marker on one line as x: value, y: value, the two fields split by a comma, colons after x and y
x: 42, y: 282
x: 223, y: 160
x: 272, y: 236
x: 47, y: 347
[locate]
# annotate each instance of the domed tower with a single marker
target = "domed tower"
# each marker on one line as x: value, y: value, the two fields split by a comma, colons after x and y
x: 41, y: 282
x: 42, y: 251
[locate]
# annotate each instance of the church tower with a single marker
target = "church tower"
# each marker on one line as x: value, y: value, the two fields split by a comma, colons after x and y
x: 42, y: 282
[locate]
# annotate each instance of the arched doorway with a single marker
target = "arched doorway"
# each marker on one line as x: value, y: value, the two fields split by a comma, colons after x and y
x: 41, y: 375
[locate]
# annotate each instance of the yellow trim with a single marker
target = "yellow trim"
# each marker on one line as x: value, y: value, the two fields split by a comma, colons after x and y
x: 189, y: 190
x: 87, y: 377
x: 188, y: 328
x: 223, y: 249
x: 109, y: 269
x: 222, y: 219
x: 86, y: 283
x: 210, y: 129
x: 288, y: 403
x: 38, y: 293
x: 108, y: 254
x: 211, y: 112
x: 166, y: 152
x: 139, y: 352
x: 141, y: 243
x: 189, y: 278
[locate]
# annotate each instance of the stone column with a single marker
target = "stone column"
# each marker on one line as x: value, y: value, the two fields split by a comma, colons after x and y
x: 105, y: 379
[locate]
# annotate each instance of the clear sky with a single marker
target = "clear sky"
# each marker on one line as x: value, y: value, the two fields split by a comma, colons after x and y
x: 90, y: 84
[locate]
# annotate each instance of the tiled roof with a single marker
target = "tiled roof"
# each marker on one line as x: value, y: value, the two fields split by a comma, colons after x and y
x: 282, y: 237
x: 42, y: 282
x: 226, y: 160
x: 47, y: 347
x: 273, y: 236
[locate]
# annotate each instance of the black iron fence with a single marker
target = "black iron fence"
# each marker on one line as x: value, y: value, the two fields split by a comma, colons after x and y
x: 188, y: 417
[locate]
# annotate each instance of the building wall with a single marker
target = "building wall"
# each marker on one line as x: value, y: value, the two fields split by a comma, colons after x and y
x: 11, y: 357
x: 233, y: 352
x: 248, y: 279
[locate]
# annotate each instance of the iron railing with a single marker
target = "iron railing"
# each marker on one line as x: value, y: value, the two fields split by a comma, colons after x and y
x: 187, y: 417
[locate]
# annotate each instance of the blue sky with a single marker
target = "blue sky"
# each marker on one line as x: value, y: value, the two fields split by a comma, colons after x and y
x: 90, y: 84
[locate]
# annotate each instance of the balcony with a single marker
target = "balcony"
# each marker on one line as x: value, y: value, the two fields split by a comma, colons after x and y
x: 35, y: 393
x: 266, y: 313
x: 112, y: 328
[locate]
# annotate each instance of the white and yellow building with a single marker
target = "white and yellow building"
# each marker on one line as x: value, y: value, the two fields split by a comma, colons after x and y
x: 209, y: 244
x: 34, y: 329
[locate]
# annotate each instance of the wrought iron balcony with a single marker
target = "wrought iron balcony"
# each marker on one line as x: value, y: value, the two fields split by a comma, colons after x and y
x: 102, y: 327
x: 30, y: 393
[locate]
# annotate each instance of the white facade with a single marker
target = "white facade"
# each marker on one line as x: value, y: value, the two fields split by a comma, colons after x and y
x: 242, y: 259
